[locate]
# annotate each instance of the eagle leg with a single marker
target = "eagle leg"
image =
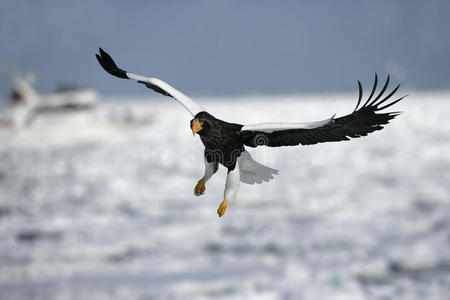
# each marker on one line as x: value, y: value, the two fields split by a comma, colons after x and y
x: 222, y: 208
x: 210, y: 169
x: 231, y: 188
x: 200, y: 188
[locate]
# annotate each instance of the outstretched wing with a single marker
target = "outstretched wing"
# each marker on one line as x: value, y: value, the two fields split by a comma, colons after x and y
x: 362, y: 121
x: 155, y: 84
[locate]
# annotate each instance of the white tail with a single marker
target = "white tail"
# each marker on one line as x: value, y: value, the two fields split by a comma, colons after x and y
x: 253, y: 172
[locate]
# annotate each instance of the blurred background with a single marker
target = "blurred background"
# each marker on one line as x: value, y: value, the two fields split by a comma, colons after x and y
x: 97, y: 173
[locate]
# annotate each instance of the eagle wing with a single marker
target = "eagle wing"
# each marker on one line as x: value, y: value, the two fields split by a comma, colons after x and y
x: 155, y: 84
x: 362, y: 121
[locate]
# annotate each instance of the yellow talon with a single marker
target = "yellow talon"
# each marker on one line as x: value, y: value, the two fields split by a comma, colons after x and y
x: 199, y: 188
x: 222, y: 208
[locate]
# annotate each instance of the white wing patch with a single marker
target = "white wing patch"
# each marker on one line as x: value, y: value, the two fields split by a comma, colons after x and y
x: 253, y: 172
x: 193, y: 107
x: 271, y: 127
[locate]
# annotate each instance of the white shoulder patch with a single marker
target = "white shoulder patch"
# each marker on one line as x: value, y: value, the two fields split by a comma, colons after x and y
x: 253, y: 172
x: 193, y: 107
x: 271, y: 127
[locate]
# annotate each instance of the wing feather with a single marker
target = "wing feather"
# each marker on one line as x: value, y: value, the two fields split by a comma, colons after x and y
x: 155, y: 84
x: 362, y: 121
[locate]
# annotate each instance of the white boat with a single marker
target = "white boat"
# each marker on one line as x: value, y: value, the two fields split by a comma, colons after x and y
x: 66, y: 116
x: 25, y: 104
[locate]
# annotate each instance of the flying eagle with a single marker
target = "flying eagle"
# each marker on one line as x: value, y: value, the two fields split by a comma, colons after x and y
x: 225, y: 142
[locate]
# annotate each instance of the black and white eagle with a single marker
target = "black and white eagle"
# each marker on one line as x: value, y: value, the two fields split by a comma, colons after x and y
x: 225, y: 142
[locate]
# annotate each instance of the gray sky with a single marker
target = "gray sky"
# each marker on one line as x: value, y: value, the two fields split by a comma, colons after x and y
x: 228, y: 47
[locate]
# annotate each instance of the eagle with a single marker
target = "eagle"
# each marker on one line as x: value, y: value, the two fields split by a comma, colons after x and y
x: 225, y: 142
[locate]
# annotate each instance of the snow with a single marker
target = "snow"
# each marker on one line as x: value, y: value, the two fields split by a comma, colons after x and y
x: 110, y: 214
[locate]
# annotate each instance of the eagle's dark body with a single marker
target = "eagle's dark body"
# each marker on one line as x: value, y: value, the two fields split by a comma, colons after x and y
x: 222, y: 140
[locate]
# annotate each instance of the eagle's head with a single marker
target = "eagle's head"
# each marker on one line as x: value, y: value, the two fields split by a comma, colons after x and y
x: 202, y: 123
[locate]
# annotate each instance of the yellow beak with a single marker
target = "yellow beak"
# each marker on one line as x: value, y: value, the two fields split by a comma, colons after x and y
x: 196, y: 127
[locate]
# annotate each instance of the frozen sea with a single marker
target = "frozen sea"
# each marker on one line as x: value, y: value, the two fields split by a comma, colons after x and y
x: 91, y: 210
